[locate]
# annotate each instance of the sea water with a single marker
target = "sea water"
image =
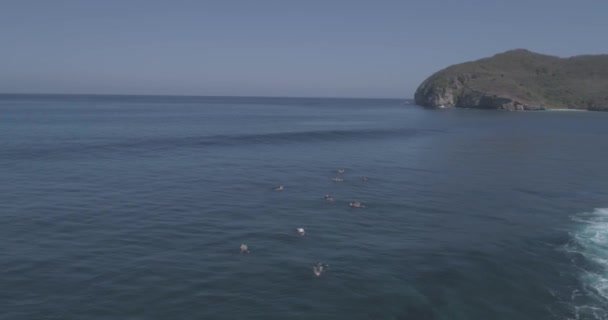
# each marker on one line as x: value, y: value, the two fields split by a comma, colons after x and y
x: 132, y: 207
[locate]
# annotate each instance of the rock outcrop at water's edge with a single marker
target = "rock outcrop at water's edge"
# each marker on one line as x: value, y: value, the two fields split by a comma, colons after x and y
x: 520, y: 80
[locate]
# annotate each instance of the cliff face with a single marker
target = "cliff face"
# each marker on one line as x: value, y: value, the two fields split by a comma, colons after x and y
x: 520, y: 80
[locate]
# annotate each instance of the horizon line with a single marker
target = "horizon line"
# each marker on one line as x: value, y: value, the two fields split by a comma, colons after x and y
x: 192, y: 96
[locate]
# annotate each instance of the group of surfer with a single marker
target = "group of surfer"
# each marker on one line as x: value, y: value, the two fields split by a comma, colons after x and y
x: 319, y: 267
x: 355, y: 204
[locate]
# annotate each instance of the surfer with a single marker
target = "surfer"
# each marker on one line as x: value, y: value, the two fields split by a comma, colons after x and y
x: 328, y: 198
x: 356, y: 204
x: 319, y: 268
x: 244, y: 248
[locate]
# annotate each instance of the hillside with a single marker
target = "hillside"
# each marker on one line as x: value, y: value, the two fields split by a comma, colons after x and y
x: 520, y: 80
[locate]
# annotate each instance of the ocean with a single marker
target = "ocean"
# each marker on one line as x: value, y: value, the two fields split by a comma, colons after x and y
x: 135, y: 207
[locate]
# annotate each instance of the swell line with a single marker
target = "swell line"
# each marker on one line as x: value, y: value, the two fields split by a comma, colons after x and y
x: 19, y: 152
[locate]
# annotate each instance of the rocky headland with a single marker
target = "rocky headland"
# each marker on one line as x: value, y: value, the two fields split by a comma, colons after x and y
x: 520, y: 80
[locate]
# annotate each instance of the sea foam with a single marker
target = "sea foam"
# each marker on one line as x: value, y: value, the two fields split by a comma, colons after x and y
x: 589, y: 249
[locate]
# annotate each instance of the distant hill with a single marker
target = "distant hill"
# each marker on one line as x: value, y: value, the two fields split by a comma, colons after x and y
x: 520, y: 80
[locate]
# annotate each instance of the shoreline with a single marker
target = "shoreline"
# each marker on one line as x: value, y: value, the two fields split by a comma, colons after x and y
x: 567, y: 110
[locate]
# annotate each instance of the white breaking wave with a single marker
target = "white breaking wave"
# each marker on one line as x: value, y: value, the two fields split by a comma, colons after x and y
x: 589, y: 248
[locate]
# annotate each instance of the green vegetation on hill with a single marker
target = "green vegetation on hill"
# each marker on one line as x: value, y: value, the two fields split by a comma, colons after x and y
x: 520, y: 80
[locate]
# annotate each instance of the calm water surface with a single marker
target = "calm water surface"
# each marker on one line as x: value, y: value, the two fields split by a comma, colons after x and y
x: 135, y: 208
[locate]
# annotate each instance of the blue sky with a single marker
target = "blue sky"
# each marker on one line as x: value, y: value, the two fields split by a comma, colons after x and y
x: 275, y: 48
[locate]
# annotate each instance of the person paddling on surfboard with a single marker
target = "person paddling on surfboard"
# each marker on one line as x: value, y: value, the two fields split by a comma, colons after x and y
x: 319, y: 268
x: 356, y: 205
